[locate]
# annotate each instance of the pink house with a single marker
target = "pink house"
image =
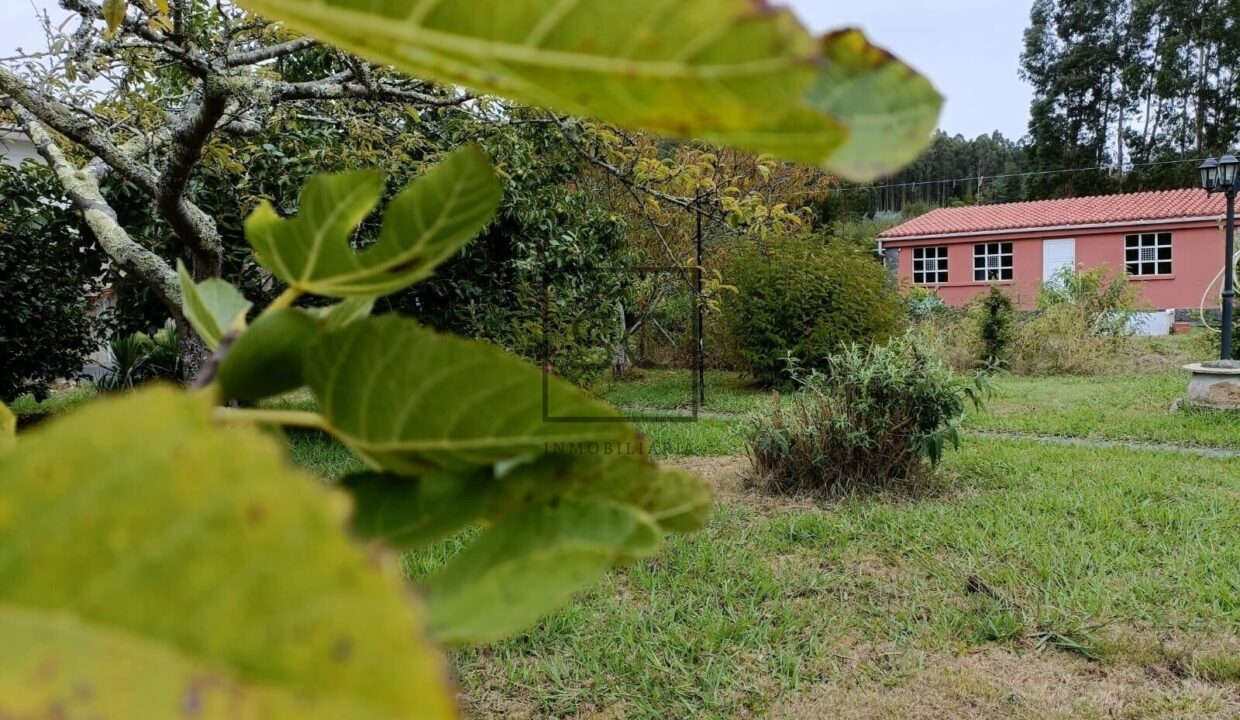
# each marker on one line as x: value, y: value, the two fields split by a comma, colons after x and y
x: 1170, y: 243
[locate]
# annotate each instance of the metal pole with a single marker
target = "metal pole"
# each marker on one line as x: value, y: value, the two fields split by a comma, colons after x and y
x: 1229, y: 282
x: 701, y: 341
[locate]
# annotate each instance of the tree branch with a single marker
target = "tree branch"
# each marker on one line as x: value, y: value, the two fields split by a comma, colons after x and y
x: 254, y: 57
x: 188, y: 139
x: 337, y: 87
x: 83, y: 191
x: 192, y: 61
x: 78, y: 129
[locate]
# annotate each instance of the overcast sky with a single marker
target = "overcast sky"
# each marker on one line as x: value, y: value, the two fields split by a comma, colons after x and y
x: 970, y: 48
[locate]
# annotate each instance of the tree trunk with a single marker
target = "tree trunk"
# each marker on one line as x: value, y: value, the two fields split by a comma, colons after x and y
x: 620, y: 361
x: 194, y: 352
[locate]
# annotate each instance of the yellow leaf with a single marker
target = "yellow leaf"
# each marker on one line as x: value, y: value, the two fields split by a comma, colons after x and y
x: 114, y: 14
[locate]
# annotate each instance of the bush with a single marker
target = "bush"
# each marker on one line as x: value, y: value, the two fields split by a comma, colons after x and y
x: 802, y: 298
x: 921, y: 303
x: 47, y: 266
x: 996, y: 325
x: 1061, y: 340
x: 1106, y: 298
x: 953, y: 337
x: 879, y: 418
x: 140, y: 358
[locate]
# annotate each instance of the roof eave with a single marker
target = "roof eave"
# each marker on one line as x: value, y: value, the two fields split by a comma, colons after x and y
x: 1053, y: 228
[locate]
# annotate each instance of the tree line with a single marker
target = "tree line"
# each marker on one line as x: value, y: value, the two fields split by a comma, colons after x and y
x: 1129, y: 95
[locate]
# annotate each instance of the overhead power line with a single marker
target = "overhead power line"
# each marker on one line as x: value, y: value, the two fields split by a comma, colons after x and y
x: 1010, y: 175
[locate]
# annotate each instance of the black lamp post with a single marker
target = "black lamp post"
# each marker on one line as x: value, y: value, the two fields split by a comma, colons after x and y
x: 1220, y: 176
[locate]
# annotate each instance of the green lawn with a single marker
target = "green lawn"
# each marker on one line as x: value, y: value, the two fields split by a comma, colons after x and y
x: 1076, y: 553
x: 726, y: 392
x: 1029, y: 581
x: 1135, y: 408
x: 1110, y: 407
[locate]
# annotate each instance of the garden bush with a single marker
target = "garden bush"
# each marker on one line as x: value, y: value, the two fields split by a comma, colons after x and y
x: 996, y: 326
x: 1081, y: 327
x: 1106, y: 298
x: 139, y: 358
x: 47, y: 269
x: 922, y: 303
x: 953, y: 337
x: 877, y: 419
x: 798, y: 296
x: 1062, y: 340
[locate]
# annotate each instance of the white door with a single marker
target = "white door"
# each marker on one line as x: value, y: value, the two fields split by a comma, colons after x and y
x: 1057, y: 255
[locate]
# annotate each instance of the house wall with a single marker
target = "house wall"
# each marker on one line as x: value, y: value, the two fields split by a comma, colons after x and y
x: 14, y: 148
x: 1197, y: 256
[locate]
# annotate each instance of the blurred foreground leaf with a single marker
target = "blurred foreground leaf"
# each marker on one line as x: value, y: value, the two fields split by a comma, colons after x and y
x: 155, y: 566
x: 734, y: 72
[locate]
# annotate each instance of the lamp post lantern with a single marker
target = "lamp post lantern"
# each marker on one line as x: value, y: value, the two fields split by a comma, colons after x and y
x: 1220, y: 176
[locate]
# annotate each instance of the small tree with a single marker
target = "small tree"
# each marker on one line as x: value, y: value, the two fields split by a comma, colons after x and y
x: 996, y: 325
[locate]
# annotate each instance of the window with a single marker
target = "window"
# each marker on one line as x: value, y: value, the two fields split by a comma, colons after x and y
x: 992, y: 261
x: 929, y: 266
x: 1148, y: 254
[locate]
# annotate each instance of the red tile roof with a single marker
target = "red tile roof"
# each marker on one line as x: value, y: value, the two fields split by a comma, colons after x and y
x: 1101, y: 210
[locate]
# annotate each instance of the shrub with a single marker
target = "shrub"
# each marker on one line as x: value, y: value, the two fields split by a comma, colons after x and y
x: 877, y: 419
x: 922, y: 303
x: 140, y: 358
x: 802, y: 298
x: 1106, y: 298
x: 996, y: 325
x: 1061, y: 340
x: 47, y: 267
x: 953, y: 337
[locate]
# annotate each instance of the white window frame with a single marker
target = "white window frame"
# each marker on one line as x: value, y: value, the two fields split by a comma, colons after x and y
x: 993, y: 259
x: 930, y: 265
x: 1149, y: 251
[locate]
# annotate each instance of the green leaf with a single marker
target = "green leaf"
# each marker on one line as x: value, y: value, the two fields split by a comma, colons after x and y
x: 114, y: 14
x: 531, y: 563
x: 409, y: 513
x: 346, y: 312
x: 267, y: 359
x: 213, y: 307
x: 677, y: 500
x: 154, y: 565
x: 883, y: 103
x: 734, y: 72
x: 410, y: 401
x: 8, y: 429
x: 425, y: 225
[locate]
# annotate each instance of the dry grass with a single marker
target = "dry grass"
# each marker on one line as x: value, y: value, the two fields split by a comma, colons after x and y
x: 999, y: 683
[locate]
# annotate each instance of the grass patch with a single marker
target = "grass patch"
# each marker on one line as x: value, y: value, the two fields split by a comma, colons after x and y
x: 707, y: 437
x: 726, y: 392
x: 1022, y: 548
x: 56, y: 403
x: 1122, y: 407
x: 1107, y: 407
